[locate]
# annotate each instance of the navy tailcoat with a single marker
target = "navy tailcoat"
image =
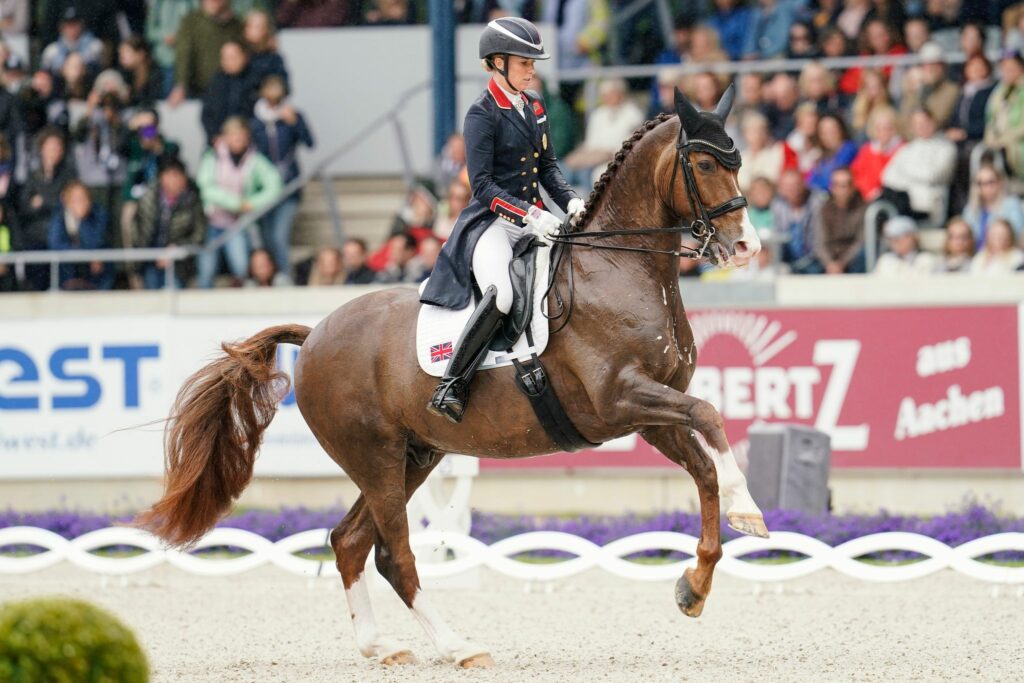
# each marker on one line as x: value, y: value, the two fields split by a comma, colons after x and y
x: 508, y: 157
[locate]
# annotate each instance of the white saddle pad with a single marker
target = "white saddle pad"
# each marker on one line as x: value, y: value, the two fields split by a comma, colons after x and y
x: 438, y: 329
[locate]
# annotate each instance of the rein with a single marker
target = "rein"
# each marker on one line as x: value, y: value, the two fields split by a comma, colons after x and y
x: 701, y: 228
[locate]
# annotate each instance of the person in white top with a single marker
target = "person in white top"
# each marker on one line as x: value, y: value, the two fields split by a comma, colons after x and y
x: 998, y: 256
x: 923, y: 168
x: 763, y: 157
x: 608, y: 126
x: 904, y: 256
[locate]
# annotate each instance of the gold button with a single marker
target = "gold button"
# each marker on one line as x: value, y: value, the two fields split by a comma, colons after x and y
x: 524, y: 158
x: 535, y: 155
x: 535, y: 199
x: 534, y: 169
x: 535, y: 184
x: 524, y: 188
x: 523, y: 173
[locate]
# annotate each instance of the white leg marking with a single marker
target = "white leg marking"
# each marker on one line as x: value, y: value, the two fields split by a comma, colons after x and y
x: 732, y: 485
x: 448, y: 643
x: 368, y: 639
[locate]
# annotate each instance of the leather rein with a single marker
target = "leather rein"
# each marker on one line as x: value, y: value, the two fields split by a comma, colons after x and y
x: 701, y: 228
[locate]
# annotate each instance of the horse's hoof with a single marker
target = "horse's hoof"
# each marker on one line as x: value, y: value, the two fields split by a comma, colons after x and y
x: 691, y: 603
x: 399, y: 658
x: 748, y: 523
x: 477, y: 661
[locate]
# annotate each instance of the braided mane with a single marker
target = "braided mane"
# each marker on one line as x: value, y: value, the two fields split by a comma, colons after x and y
x: 601, y: 186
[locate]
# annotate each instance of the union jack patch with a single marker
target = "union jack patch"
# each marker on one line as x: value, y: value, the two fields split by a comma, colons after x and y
x: 538, y: 109
x: 440, y: 352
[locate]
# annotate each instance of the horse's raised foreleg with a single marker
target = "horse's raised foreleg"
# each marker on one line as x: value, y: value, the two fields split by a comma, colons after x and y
x: 679, y: 446
x: 396, y: 563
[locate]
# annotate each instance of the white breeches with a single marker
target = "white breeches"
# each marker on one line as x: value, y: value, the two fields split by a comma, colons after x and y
x: 491, y: 257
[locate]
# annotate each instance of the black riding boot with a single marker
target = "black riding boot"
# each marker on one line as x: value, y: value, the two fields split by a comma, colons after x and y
x: 452, y: 392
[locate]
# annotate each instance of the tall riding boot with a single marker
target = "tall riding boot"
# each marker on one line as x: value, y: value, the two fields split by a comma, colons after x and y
x: 452, y: 392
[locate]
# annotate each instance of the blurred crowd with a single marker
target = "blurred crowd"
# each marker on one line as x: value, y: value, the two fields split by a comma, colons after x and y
x: 937, y: 140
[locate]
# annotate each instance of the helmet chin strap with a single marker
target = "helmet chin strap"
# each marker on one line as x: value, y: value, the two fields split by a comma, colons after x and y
x: 504, y: 73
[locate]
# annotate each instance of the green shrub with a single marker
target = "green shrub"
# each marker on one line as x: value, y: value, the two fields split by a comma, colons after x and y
x: 61, y: 640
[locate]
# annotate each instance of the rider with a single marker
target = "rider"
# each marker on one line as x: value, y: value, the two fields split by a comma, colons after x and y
x: 508, y: 155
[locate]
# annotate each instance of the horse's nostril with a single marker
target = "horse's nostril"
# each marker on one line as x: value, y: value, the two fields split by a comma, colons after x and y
x: 741, y: 248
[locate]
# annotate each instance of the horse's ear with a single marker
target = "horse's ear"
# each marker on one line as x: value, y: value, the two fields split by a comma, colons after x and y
x: 689, y: 117
x: 724, y: 105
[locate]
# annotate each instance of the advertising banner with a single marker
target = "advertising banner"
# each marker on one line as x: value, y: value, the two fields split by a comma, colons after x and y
x: 894, y: 388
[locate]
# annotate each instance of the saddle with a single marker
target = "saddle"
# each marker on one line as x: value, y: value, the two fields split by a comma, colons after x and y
x: 522, y: 270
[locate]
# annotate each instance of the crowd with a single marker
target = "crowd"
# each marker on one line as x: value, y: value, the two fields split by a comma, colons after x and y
x: 84, y: 163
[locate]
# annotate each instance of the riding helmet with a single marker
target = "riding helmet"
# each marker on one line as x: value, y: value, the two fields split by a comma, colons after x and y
x: 512, y: 36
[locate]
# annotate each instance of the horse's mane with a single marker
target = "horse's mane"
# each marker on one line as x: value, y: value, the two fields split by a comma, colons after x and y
x: 601, y: 186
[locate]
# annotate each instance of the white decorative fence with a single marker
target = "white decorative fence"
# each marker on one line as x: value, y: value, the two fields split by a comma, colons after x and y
x: 469, y: 554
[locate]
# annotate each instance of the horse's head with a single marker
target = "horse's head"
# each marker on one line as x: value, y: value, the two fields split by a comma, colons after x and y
x: 704, y: 186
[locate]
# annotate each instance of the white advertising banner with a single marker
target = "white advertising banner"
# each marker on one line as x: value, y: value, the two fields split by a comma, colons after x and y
x: 87, y: 397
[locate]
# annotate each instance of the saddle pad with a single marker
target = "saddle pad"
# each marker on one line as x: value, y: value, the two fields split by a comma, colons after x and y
x: 438, y: 328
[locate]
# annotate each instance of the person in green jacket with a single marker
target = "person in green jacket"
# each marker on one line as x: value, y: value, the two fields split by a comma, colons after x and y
x: 162, y: 22
x: 1004, y: 113
x: 197, y: 47
x: 233, y: 180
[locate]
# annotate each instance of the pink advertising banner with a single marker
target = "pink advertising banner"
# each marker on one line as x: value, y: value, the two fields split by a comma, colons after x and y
x: 894, y: 388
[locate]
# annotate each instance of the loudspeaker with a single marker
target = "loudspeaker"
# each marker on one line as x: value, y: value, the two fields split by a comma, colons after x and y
x: 788, y: 467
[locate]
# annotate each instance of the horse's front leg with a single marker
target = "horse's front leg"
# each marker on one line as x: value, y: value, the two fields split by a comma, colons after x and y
x: 654, y: 403
x: 681, y: 447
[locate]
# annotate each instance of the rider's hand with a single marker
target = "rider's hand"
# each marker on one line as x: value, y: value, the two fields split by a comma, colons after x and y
x: 576, y: 210
x: 542, y: 224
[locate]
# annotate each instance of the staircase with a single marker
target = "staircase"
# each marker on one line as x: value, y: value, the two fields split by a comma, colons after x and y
x: 367, y: 206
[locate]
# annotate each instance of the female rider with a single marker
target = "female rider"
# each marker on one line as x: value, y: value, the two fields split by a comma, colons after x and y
x: 508, y: 155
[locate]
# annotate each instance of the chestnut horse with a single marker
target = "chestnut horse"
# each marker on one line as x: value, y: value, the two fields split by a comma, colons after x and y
x: 621, y: 364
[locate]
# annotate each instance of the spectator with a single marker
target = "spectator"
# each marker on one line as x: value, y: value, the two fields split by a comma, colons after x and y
x: 105, y: 19
x: 12, y: 74
x: 6, y: 172
x: 14, y: 17
x: 852, y: 18
x: 763, y: 157
x: 818, y: 86
x: 927, y: 87
x: 759, y: 207
x: 837, y: 151
x: 315, y: 13
x: 610, y: 123
x: 389, y: 13
x: 327, y: 268
x: 261, y: 43
x: 8, y: 114
x: 425, y: 258
x: 233, y: 179
x: 278, y: 132
x: 959, y: 247
x: 76, y: 224
x: 839, y: 227
x: 918, y: 176
x: 990, y: 201
x: 768, y: 28
x: 916, y: 32
x: 145, y: 80
x: 967, y: 127
x: 730, y: 19
x: 263, y: 271
x: 199, y: 39
x: 998, y: 255
x: 705, y: 48
x: 904, y: 256
x: 833, y: 43
x: 451, y: 161
x: 804, y: 138
x: 750, y: 96
x: 582, y: 30
x: 563, y: 129
x: 873, y: 94
x: 794, y: 210
x: 875, y: 154
x: 784, y: 97
x: 456, y: 200
x: 972, y: 44
x: 400, y: 266
x: 8, y: 283
x: 1004, y: 119
x: 353, y: 257
x: 232, y: 91
x: 823, y: 13
x: 683, y: 26
x: 74, y: 38
x: 163, y: 20
x: 147, y: 149
x: 73, y: 83
x: 704, y: 90
x: 100, y: 137
x: 803, y: 43
x: 40, y: 105
x: 38, y: 199
x: 170, y: 213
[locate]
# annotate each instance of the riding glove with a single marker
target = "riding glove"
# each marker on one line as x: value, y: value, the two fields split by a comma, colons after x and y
x: 543, y: 224
x: 576, y: 210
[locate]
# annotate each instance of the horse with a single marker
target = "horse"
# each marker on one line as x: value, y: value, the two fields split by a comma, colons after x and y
x: 621, y: 362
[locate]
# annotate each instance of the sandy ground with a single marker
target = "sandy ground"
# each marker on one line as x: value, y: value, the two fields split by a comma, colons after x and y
x: 267, y: 625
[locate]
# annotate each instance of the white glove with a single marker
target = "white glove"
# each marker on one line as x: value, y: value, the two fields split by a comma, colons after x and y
x: 543, y: 224
x: 576, y: 210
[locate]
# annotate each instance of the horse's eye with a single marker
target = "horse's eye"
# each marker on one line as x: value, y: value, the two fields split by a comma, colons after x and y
x: 706, y: 166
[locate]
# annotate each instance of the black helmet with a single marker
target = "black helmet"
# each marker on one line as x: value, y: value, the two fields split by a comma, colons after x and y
x: 512, y: 36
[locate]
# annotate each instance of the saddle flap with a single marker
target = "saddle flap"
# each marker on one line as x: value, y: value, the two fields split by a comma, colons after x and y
x: 521, y: 271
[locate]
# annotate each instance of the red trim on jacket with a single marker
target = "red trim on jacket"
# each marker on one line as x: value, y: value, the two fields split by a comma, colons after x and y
x: 500, y: 98
x: 498, y: 201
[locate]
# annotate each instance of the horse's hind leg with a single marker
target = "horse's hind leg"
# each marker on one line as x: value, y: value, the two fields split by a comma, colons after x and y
x: 679, y: 446
x: 396, y: 563
x: 351, y: 541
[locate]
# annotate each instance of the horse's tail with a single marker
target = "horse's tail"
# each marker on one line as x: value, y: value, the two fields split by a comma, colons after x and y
x: 213, y: 433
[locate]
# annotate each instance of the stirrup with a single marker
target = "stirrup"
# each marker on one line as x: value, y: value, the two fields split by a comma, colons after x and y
x: 450, y: 399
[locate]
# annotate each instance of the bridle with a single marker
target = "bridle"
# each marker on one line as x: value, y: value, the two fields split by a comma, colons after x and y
x: 701, y: 228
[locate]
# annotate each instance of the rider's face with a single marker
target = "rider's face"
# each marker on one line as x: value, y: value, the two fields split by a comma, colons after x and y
x: 520, y: 72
